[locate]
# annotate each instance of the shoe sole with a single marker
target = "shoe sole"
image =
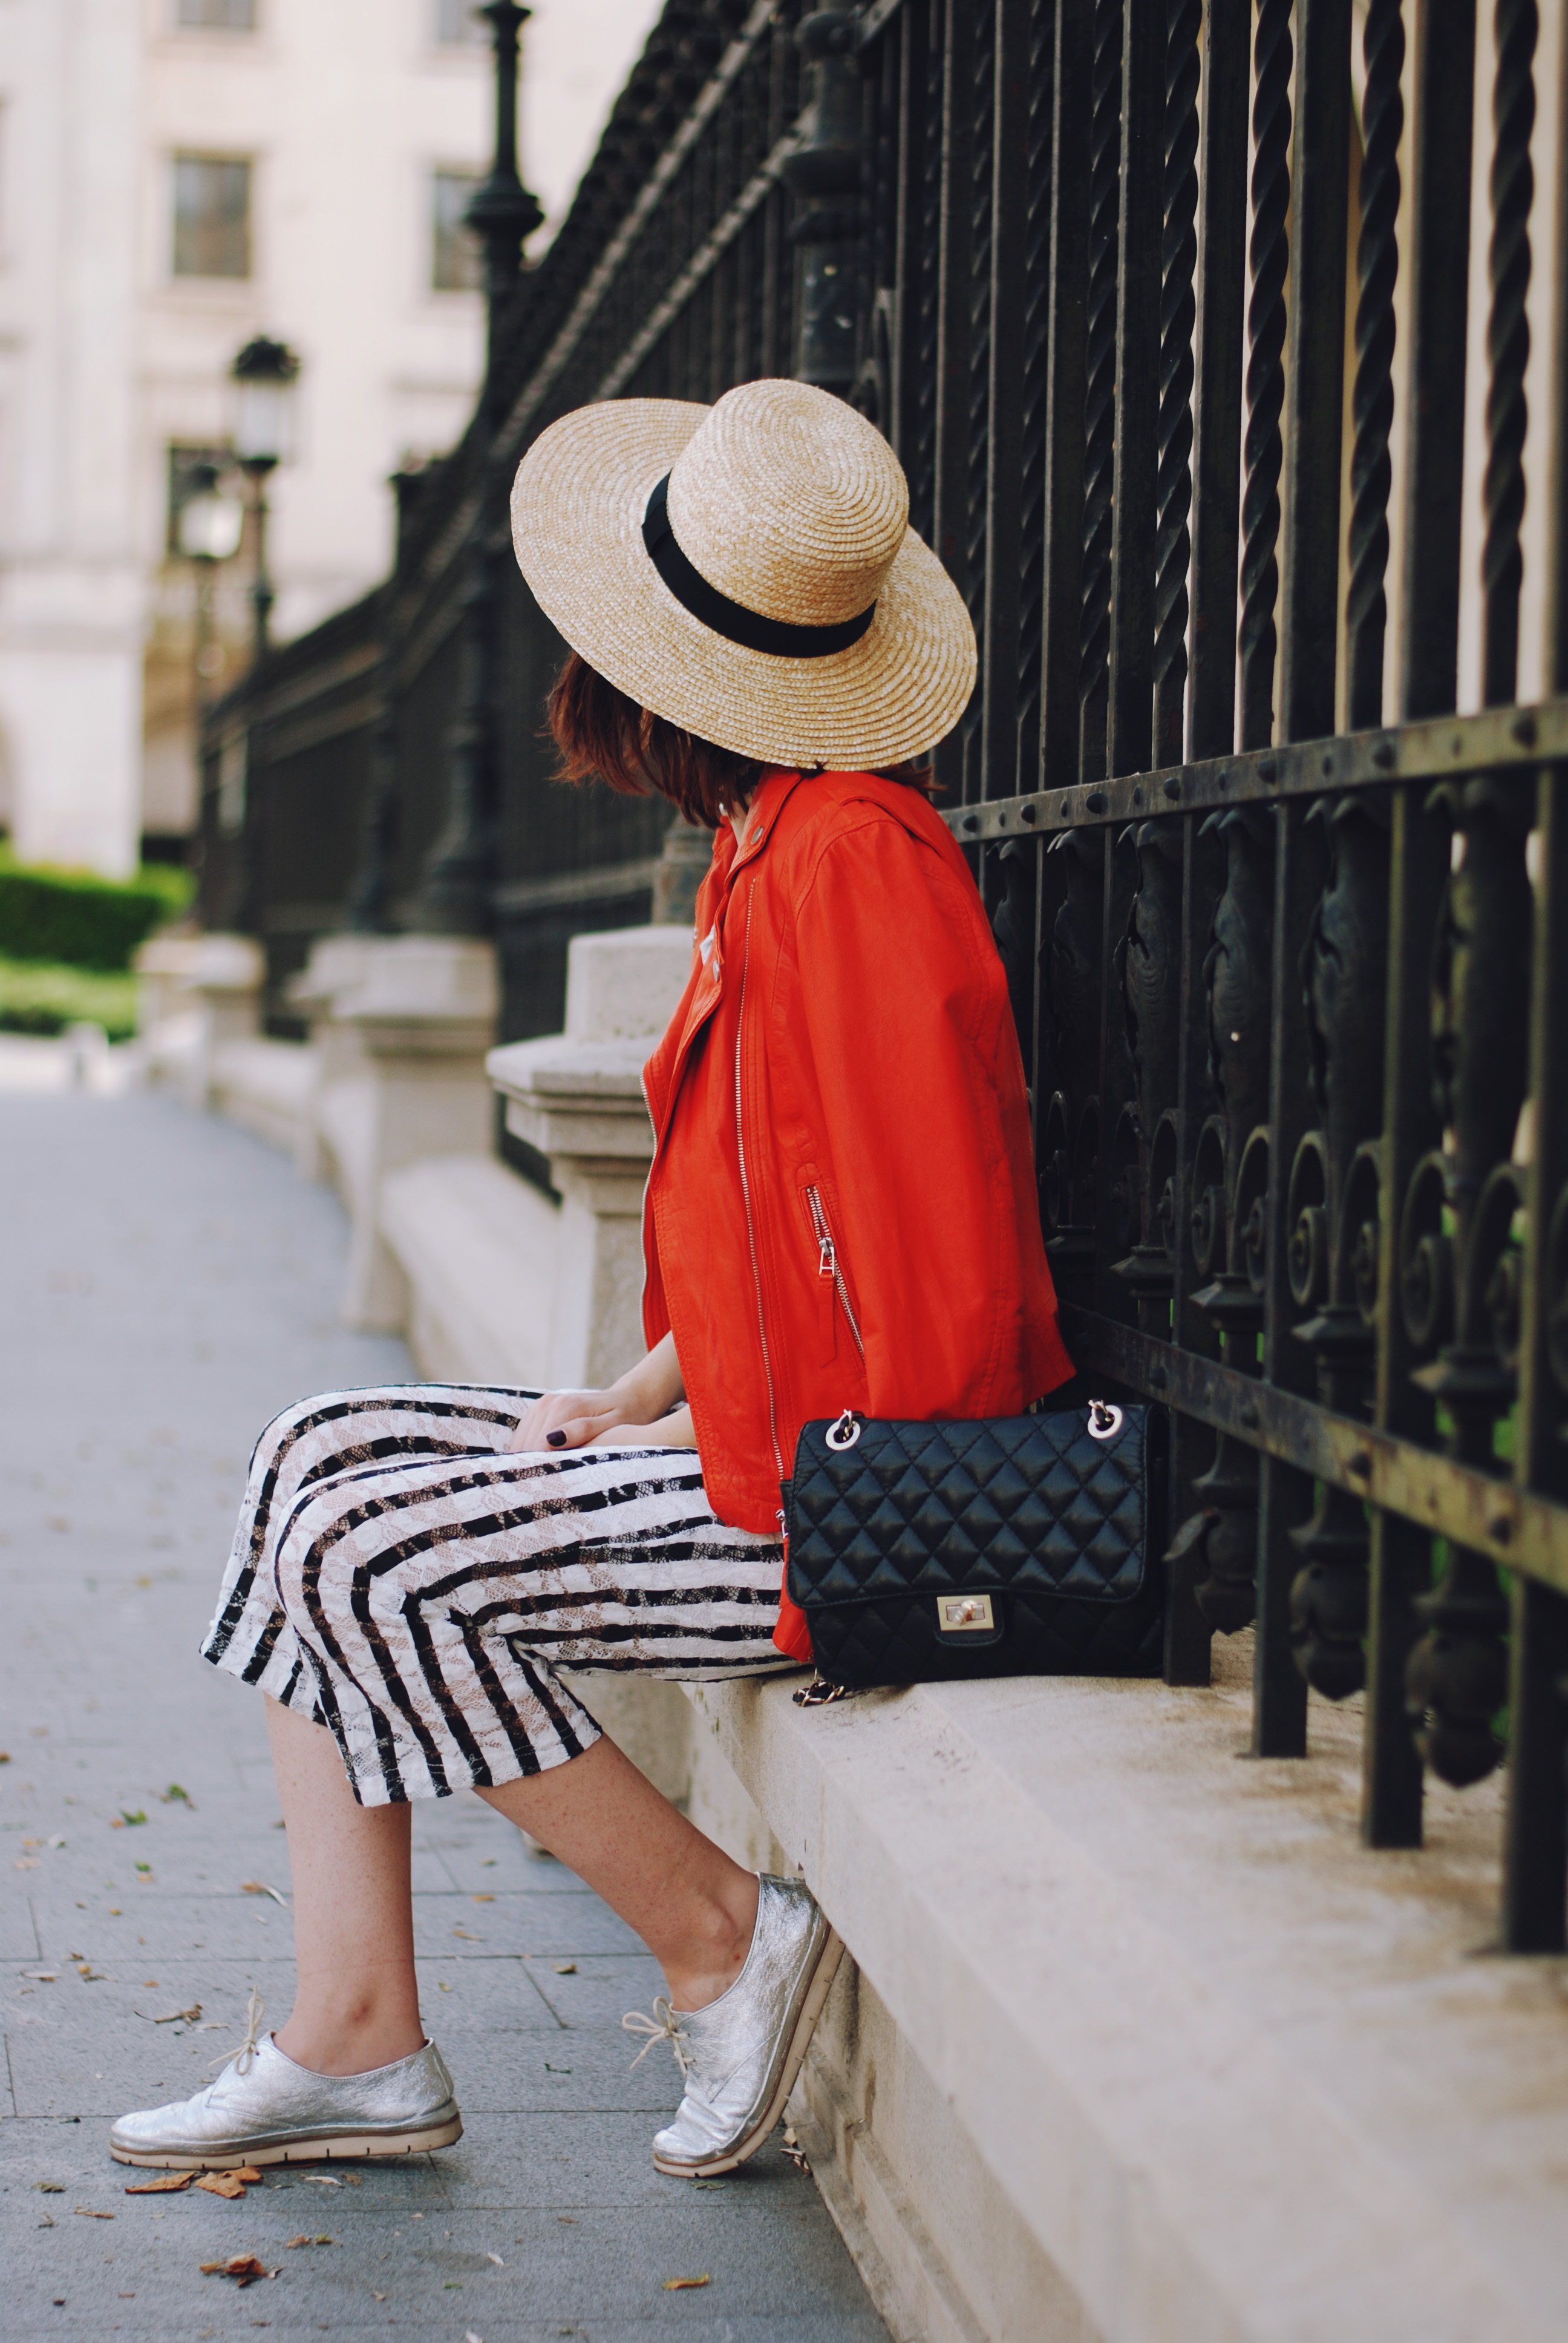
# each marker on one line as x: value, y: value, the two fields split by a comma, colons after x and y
x: 816, y: 1992
x: 342, y: 2146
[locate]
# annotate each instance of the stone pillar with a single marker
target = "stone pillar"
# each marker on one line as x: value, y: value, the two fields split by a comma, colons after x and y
x: 223, y: 981
x: 420, y: 1019
x: 576, y: 1097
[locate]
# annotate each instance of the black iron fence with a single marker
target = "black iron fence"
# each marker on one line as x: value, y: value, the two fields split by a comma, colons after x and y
x: 1156, y: 300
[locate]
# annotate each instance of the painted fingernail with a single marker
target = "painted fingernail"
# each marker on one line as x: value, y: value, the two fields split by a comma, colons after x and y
x: 556, y: 1439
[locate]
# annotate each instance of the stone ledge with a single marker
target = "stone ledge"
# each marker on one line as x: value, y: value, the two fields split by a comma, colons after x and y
x: 1230, y: 2075
x: 477, y: 1246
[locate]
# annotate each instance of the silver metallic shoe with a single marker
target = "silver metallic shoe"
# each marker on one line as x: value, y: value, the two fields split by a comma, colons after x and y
x: 265, y: 2109
x: 739, y: 2057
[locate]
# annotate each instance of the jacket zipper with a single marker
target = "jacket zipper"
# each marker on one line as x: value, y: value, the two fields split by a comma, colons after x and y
x: 828, y: 1261
x: 746, y: 1193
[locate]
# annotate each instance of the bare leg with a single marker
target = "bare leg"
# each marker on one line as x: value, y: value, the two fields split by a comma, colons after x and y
x: 357, y: 2004
x: 691, y: 1906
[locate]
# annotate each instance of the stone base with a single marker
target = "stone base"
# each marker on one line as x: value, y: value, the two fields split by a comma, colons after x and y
x: 1145, y: 2044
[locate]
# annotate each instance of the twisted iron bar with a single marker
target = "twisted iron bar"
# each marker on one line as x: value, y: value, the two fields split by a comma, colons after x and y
x: 923, y: 468
x: 1377, y: 268
x: 1267, y: 259
x: 1512, y: 188
x: 977, y: 505
x: 1099, y: 425
x: 1035, y: 386
x: 1178, y: 316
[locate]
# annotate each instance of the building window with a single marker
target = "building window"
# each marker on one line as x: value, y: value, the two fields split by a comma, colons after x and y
x: 456, y: 24
x: 455, y: 263
x: 212, y: 216
x: 217, y: 15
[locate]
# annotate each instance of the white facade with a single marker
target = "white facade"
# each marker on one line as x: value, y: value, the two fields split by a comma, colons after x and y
x: 344, y: 111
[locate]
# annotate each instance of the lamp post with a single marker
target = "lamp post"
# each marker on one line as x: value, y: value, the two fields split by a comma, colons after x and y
x: 209, y: 530
x: 501, y: 212
x: 454, y: 892
x: 264, y: 373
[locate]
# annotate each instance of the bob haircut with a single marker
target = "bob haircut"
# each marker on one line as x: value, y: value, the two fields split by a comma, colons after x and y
x: 601, y: 731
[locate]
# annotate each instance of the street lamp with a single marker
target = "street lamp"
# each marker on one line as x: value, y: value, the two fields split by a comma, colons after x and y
x: 209, y: 530
x: 264, y: 373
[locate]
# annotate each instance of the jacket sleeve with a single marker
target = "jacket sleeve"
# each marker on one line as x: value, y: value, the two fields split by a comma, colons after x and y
x: 922, y: 1100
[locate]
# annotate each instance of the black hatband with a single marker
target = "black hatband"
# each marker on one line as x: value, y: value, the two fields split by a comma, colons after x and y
x: 732, y: 619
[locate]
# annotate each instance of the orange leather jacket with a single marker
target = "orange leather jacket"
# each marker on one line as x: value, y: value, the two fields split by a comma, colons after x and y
x: 841, y: 1210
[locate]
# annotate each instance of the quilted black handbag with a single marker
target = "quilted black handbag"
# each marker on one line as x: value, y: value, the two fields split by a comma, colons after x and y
x: 1016, y: 1545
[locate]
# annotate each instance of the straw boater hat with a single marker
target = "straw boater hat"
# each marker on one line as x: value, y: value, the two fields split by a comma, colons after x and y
x: 748, y: 570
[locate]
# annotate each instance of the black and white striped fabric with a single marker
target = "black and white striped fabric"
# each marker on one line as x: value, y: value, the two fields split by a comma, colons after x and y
x: 399, y: 1578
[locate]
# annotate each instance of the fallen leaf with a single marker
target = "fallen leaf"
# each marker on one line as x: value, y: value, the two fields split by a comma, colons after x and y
x: 222, y: 2184
x: 174, y: 1795
x: 128, y: 1820
x: 556, y: 2070
x: 87, y: 2214
x: 707, y: 2184
x: 467, y: 1939
x: 177, y: 2016
x: 144, y: 1870
x: 245, y: 2269
x: 484, y: 1899
x: 496, y: 2259
x: 565, y: 1968
x: 50, y: 2187
x: 260, y: 1888
x: 675, y: 2285
x: 323, y: 2240
x: 5, y: 1756
x: 301, y: 2240
x: 377, y: 2298
x: 149, y: 1982
x: 26, y: 1862
x: 167, y: 2181
x: 41, y: 1976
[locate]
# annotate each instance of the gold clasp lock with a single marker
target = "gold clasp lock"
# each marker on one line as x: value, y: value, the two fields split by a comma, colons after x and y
x: 964, y: 1615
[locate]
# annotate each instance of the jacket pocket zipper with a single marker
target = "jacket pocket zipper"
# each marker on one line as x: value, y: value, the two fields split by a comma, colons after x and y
x: 828, y: 1261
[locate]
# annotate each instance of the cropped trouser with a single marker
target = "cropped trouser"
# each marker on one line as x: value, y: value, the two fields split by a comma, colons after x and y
x: 397, y: 1576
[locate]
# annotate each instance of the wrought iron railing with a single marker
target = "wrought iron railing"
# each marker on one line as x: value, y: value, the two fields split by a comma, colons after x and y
x: 1287, y: 938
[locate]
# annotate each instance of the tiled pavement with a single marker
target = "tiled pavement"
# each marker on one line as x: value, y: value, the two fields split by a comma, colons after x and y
x: 166, y: 1285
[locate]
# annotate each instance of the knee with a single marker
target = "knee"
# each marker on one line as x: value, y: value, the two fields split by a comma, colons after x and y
x: 280, y: 1435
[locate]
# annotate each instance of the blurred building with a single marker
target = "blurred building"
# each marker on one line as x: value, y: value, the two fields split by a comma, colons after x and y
x: 176, y: 176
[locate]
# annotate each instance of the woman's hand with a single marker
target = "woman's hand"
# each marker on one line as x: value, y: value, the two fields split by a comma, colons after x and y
x: 641, y: 1401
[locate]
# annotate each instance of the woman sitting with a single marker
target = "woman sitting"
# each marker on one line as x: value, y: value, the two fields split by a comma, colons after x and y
x: 841, y: 1211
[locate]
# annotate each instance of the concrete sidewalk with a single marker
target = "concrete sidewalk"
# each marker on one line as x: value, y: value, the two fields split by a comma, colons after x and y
x: 165, y: 1285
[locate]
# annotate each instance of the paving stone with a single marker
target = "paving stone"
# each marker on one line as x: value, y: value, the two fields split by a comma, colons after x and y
x: 167, y: 1284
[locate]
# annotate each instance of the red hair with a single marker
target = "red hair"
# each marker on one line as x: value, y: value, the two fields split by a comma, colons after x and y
x: 601, y: 731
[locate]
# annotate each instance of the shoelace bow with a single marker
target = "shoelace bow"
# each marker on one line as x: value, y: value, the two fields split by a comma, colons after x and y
x: 244, y: 2058
x: 660, y: 2027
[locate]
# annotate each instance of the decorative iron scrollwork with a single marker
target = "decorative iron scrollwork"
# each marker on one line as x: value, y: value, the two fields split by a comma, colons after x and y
x: 1458, y: 1244
x: 1148, y: 966
x: 1332, y: 1220
x: 1230, y: 1186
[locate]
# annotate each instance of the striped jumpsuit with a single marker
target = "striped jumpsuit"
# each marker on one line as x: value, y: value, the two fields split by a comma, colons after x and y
x: 399, y: 1578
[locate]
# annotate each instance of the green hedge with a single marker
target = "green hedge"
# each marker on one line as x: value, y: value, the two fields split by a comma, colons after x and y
x: 36, y: 998
x: 71, y: 918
